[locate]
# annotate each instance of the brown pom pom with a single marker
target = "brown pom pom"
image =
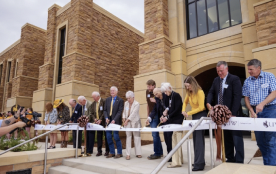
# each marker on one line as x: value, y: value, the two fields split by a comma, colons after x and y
x: 220, y: 114
x: 83, y: 120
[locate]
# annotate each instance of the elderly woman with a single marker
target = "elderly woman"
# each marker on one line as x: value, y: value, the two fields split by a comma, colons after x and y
x: 63, y: 118
x: 172, y: 115
x: 51, y: 115
x: 131, y: 119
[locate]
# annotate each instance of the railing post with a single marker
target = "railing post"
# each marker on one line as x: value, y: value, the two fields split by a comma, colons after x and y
x: 189, y: 156
x: 77, y: 141
x: 45, y: 155
x: 211, y: 144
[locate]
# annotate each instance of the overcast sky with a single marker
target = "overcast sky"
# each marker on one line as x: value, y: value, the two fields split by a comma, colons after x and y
x: 15, y: 13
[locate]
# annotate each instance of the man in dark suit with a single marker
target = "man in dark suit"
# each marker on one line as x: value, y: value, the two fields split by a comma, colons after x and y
x: 97, y: 116
x: 227, y: 90
x: 76, y: 113
x: 113, y: 110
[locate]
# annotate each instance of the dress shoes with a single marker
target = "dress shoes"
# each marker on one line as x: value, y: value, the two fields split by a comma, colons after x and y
x: 99, y: 154
x: 110, y: 156
x: 172, y: 166
x: 153, y: 157
x: 118, y: 156
x: 197, y: 169
x: 106, y: 153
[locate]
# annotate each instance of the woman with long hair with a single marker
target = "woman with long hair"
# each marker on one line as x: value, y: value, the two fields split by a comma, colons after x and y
x: 63, y: 118
x: 195, y: 97
x: 51, y: 114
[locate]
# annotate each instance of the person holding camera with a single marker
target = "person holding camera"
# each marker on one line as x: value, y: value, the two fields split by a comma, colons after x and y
x: 6, y: 125
x: 29, y: 116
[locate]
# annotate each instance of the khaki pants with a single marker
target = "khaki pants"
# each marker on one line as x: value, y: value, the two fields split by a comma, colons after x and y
x: 137, y: 140
x: 177, y: 158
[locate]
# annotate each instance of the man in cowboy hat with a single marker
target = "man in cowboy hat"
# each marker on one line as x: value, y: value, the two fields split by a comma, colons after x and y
x: 87, y: 111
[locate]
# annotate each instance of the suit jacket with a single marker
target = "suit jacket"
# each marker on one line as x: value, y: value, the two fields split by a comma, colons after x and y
x: 93, y: 114
x: 87, y: 112
x: 117, y: 109
x: 231, y: 95
x: 134, y: 116
x: 76, y: 113
x: 175, y: 110
x: 158, y: 108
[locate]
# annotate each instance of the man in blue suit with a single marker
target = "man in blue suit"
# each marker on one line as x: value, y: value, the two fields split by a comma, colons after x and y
x: 113, y: 110
x: 76, y: 113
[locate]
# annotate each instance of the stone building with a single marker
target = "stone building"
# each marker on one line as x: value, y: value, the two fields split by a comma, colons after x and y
x: 84, y: 48
x: 188, y: 37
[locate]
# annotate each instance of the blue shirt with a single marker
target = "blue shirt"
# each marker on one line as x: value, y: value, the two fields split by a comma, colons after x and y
x: 223, y: 85
x: 258, y: 89
x: 114, y: 99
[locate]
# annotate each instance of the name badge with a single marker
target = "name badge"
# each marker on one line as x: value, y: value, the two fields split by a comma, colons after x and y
x: 127, y: 108
x: 170, y: 101
x: 148, y: 95
x: 264, y: 85
x: 101, y: 108
x: 76, y: 112
x: 85, y: 109
x: 225, y: 86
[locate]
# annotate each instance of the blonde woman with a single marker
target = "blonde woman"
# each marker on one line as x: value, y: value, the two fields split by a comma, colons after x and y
x: 131, y: 119
x: 195, y: 97
x: 51, y: 115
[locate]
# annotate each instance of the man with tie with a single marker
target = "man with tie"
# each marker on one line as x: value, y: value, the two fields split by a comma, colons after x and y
x: 227, y: 90
x: 89, y: 134
x: 76, y: 113
x: 113, y: 110
x: 97, y: 116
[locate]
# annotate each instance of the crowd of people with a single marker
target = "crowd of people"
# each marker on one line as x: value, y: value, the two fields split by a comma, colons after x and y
x: 165, y: 106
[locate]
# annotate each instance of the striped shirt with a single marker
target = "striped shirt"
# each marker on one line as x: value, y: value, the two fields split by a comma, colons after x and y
x: 258, y: 89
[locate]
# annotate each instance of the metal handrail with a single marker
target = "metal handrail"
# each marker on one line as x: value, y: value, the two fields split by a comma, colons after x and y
x: 163, y: 162
x: 46, y: 143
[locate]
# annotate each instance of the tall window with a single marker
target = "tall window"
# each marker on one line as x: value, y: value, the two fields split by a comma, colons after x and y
x: 15, y: 69
x: 61, y: 53
x: 1, y: 69
x: 9, y: 71
x: 206, y: 16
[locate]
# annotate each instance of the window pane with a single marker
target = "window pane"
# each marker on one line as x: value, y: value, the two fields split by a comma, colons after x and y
x: 235, y: 11
x: 190, y: 1
x: 201, y: 17
x: 192, y: 21
x: 223, y: 14
x: 212, y: 15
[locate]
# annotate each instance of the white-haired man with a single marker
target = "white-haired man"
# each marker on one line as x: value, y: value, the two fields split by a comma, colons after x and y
x: 76, y: 113
x: 89, y: 135
x: 113, y: 110
x: 97, y: 116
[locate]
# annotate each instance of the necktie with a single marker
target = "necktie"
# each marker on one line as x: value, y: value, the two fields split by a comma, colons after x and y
x: 220, y: 93
x: 83, y: 111
x: 97, y: 108
x: 111, y: 107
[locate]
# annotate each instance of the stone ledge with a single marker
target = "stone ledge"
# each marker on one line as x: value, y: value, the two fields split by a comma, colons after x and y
x: 10, y: 47
x: 78, y: 82
x: 27, y: 24
x: 262, y: 2
x: 151, y: 73
x: 12, y: 158
x: 46, y: 65
x: 267, y: 47
x: 64, y: 8
x: 158, y: 38
x: 248, y: 24
x: 54, y: 5
x: 77, y: 53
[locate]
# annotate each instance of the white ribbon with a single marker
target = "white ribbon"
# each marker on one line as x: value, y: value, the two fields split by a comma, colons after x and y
x: 234, y: 123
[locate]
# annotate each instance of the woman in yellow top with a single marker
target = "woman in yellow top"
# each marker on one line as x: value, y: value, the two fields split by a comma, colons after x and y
x: 195, y: 97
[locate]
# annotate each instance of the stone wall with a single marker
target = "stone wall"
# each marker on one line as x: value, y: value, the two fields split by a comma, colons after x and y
x: 265, y: 15
x: 154, y: 53
x: 24, y: 86
x: 116, y: 52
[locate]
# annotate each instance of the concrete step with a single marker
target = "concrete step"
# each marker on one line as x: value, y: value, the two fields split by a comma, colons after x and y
x: 68, y: 170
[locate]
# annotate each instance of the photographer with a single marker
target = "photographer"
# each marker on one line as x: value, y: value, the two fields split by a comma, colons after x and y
x: 7, y: 125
